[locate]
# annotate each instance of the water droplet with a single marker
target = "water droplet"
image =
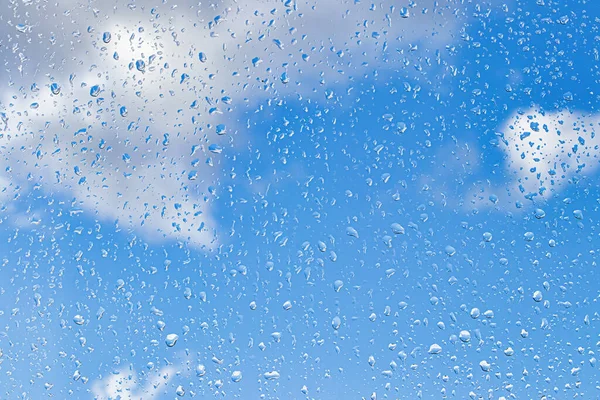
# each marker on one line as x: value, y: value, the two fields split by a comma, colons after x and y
x: 397, y: 229
x: 55, y: 89
x: 465, y: 336
x: 350, y: 231
x: 287, y: 305
x: 435, y: 349
x: 537, y: 296
x: 123, y: 111
x: 236, y: 376
x: 337, y: 285
x: 475, y: 313
x: 180, y: 391
x: 215, y: 148
x: 95, y: 91
x: 140, y: 65
x: 202, y: 57
x: 336, y: 322
x: 371, y: 361
x: 487, y: 237
x: 200, y: 370
x: 485, y: 366
x: 221, y: 129
x: 539, y: 213
x: 171, y: 339
x: 106, y: 36
x: 271, y: 375
x: 256, y: 61
x: 450, y: 251
x: 78, y: 319
x: 529, y: 236
x: 322, y: 246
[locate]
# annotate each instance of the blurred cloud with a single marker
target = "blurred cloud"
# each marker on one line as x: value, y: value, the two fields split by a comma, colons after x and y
x: 148, y: 96
x: 127, y: 386
x: 544, y: 152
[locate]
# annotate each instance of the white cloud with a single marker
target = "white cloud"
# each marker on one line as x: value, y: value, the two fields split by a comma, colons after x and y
x: 126, y: 385
x: 544, y: 152
x: 117, y: 167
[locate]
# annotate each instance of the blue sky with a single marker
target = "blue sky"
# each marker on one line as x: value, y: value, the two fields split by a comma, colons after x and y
x: 427, y: 163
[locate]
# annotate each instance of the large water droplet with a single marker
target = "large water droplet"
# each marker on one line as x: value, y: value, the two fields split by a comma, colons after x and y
x: 271, y: 375
x: 55, y: 89
x: 95, y: 91
x: 236, y: 376
x: 350, y: 231
x: 450, y: 251
x: 336, y: 322
x: 435, y: 349
x: 337, y: 285
x: 465, y: 336
x: 171, y: 339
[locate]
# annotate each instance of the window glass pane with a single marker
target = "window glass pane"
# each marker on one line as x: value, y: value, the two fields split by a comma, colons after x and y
x: 287, y: 199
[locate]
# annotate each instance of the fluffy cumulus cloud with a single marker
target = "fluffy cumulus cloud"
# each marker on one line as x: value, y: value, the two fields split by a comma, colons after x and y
x: 126, y: 385
x: 544, y: 152
x: 130, y: 107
